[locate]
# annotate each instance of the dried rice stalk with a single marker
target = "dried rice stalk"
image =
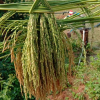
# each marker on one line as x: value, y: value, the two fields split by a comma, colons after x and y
x: 18, y: 67
x: 12, y: 54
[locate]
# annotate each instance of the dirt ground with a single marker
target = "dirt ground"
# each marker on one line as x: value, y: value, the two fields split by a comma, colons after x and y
x: 69, y: 93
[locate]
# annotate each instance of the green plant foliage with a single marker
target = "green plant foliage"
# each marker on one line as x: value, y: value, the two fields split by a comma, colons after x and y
x: 9, y: 85
x: 93, y: 85
x: 6, y: 68
x: 5, y: 93
x: 90, y: 76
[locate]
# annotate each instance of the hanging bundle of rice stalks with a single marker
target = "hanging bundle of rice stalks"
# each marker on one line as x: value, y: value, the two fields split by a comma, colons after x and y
x: 43, y: 57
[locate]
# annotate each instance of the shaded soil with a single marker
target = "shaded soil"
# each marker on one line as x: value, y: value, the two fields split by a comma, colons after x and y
x: 70, y: 92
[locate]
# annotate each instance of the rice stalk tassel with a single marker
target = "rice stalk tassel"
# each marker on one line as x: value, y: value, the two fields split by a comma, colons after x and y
x: 43, y: 57
x: 18, y: 67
